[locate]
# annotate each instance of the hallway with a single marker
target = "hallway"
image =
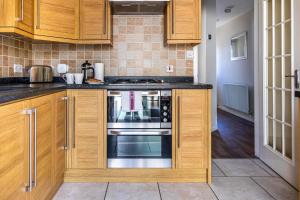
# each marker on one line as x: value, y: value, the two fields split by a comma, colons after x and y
x: 234, y: 137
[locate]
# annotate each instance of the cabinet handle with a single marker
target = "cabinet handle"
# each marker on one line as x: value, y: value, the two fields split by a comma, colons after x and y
x: 66, y: 99
x: 21, y: 18
x: 74, y: 120
x: 28, y: 187
x: 173, y: 9
x: 38, y: 23
x: 178, y: 121
x: 104, y: 17
x: 35, y: 145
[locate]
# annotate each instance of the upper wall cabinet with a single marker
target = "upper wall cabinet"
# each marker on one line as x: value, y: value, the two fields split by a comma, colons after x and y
x: 56, y: 19
x: 95, y: 21
x: 183, y: 22
x: 17, y: 16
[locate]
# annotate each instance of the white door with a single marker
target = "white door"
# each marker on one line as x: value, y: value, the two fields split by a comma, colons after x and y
x: 278, y: 141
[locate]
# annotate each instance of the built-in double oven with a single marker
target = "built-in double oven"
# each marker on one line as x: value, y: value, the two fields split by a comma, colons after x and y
x: 139, y: 130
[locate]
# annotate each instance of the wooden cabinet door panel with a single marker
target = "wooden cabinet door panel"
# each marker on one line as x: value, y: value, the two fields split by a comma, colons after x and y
x: 184, y: 21
x: 87, y: 149
x: 93, y: 19
x: 44, y: 124
x: 60, y: 137
x: 192, y: 129
x: 25, y: 15
x: 13, y: 152
x: 56, y: 19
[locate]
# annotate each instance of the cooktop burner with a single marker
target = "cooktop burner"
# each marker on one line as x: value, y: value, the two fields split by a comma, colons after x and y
x: 136, y: 81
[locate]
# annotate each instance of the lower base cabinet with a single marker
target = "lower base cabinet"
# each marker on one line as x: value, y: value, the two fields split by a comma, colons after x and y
x: 86, y: 128
x: 27, y: 155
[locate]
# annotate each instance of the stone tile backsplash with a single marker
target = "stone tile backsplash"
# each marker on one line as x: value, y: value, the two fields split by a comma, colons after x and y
x: 138, y: 50
x: 14, y: 51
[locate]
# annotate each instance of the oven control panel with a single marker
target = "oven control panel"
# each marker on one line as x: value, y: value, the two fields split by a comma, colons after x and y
x: 166, y: 109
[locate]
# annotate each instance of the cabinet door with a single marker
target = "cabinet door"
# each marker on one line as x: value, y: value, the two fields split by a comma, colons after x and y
x: 88, y: 129
x: 60, y: 143
x: 183, y: 21
x: 56, y: 19
x: 16, y: 14
x: 44, y: 154
x: 193, y: 129
x: 95, y: 20
x: 13, y: 152
x: 25, y: 12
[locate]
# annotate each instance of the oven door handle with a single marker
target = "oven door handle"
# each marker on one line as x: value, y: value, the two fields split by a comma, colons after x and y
x: 144, y: 133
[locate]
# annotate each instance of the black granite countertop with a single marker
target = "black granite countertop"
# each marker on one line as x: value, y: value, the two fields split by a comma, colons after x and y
x: 14, y: 90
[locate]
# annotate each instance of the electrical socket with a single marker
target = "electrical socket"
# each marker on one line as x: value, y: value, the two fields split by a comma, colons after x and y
x: 18, y: 68
x: 190, y: 54
x: 169, y: 68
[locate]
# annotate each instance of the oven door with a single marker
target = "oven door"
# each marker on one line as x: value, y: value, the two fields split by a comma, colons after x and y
x: 133, y: 109
x: 139, y: 148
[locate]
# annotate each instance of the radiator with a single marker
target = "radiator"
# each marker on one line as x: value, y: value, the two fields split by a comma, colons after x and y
x: 236, y: 97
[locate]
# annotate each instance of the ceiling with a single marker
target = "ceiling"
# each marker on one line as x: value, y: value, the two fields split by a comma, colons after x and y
x: 240, y: 7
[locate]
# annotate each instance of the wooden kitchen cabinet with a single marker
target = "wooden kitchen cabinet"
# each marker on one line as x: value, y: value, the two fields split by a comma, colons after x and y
x: 183, y: 22
x: 17, y: 16
x: 56, y: 20
x: 44, y: 153
x: 193, y: 135
x: 13, y: 152
x: 95, y: 21
x: 60, y: 143
x: 86, y: 129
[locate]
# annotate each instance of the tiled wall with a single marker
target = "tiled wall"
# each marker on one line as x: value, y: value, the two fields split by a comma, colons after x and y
x: 14, y: 51
x: 138, y: 50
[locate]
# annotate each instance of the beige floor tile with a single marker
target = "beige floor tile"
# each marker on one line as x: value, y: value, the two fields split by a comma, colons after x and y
x: 132, y: 191
x: 277, y: 187
x: 240, y: 167
x: 216, y: 171
x: 80, y: 191
x: 188, y: 191
x: 265, y: 167
x: 238, y: 188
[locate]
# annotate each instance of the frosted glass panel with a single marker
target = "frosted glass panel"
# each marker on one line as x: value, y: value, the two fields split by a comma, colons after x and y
x: 279, y: 137
x: 278, y: 41
x: 278, y: 105
x: 270, y: 73
x: 270, y: 102
x: 277, y: 11
x: 287, y: 9
x: 288, y: 35
x: 288, y: 141
x: 270, y: 132
x: 278, y: 73
x: 270, y: 42
x: 288, y: 107
x: 288, y: 80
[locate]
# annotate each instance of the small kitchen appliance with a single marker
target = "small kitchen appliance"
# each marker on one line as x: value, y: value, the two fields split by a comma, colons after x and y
x: 85, y: 67
x: 40, y: 73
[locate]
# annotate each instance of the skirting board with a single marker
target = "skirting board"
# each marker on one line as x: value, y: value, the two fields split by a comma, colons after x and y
x: 236, y: 113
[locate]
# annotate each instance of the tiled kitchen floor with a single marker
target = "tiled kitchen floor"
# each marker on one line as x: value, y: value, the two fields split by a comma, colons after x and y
x: 233, y: 179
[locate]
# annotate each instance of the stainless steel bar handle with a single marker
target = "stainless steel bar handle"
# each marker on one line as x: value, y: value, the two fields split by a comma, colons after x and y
x: 74, y: 120
x: 152, y: 133
x: 66, y: 146
x: 21, y: 18
x: 178, y: 121
x: 104, y: 17
x: 173, y: 10
x: 28, y: 187
x: 38, y: 23
x: 35, y: 145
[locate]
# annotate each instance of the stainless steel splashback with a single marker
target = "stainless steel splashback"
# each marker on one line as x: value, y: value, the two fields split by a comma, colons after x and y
x: 138, y: 7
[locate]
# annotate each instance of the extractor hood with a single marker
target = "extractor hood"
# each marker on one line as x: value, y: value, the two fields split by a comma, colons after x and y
x: 138, y: 7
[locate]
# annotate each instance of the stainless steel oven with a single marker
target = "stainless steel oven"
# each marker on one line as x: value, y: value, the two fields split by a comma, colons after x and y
x: 139, y: 129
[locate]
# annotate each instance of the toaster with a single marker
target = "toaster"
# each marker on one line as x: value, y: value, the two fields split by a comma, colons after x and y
x: 40, y: 74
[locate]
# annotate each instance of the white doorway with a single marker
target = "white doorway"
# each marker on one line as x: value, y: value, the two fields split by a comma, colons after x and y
x: 277, y: 138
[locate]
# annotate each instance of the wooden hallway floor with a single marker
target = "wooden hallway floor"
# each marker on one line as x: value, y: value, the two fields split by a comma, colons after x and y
x: 234, y: 137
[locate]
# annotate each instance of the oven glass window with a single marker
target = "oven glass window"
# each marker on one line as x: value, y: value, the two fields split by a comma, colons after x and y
x: 139, y: 146
x: 134, y: 107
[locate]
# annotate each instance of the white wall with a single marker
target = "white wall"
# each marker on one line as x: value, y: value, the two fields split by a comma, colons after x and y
x: 207, y: 53
x: 235, y: 72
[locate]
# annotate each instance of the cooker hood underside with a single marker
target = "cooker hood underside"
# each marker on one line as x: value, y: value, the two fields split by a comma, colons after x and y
x: 136, y: 7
